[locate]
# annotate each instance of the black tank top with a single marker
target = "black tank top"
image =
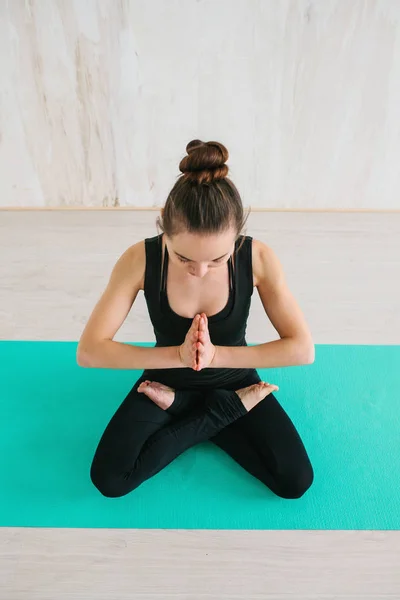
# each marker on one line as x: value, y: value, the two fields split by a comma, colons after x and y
x: 227, y: 327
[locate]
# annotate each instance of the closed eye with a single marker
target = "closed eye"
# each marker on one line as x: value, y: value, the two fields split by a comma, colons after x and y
x: 185, y: 260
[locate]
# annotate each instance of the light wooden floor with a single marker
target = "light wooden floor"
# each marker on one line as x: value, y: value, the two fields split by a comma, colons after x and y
x: 344, y: 270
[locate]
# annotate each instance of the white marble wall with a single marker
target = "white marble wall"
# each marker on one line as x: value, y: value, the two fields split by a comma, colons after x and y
x: 99, y: 98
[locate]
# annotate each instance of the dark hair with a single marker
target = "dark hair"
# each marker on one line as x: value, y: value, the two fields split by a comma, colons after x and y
x: 203, y: 200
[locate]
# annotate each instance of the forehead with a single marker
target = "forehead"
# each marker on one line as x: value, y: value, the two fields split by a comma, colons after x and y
x: 201, y: 247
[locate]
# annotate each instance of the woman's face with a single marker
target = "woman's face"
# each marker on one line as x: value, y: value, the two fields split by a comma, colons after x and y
x: 197, y: 253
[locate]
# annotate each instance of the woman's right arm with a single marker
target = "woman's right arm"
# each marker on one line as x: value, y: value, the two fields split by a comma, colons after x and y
x: 96, y: 347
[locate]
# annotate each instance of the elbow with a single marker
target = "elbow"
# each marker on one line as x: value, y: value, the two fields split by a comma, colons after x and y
x: 307, y: 353
x: 84, y: 357
x: 303, y: 352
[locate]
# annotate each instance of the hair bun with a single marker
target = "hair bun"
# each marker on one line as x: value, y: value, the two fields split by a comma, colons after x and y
x: 205, y: 161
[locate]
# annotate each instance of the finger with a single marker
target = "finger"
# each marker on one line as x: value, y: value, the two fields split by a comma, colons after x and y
x: 194, y: 328
x: 205, y: 328
x: 195, y: 322
x: 201, y: 332
x: 201, y: 323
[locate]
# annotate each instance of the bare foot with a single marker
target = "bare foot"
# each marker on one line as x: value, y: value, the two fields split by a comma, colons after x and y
x: 160, y: 394
x: 252, y: 395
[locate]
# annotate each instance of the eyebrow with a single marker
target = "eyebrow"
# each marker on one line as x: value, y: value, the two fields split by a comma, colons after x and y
x: 190, y: 260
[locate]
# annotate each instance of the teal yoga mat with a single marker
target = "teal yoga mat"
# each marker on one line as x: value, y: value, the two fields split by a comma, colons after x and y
x: 52, y: 413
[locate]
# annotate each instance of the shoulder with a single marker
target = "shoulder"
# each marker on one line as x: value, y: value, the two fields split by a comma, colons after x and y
x: 131, y: 264
x: 267, y: 268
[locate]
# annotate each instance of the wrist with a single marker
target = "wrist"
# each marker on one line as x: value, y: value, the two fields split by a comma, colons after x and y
x: 214, y: 360
x: 180, y: 359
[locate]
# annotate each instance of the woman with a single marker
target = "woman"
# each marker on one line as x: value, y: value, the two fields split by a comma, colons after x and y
x: 200, y: 380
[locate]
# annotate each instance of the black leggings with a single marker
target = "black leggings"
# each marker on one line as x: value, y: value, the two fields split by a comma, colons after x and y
x: 141, y: 439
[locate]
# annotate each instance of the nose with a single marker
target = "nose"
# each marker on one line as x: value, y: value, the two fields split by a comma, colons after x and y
x: 199, y: 270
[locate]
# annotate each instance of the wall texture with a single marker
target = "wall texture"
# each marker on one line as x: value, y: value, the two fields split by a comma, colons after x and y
x: 99, y: 98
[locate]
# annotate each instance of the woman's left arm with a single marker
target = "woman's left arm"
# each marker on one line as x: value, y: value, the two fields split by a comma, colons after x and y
x: 295, y: 346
